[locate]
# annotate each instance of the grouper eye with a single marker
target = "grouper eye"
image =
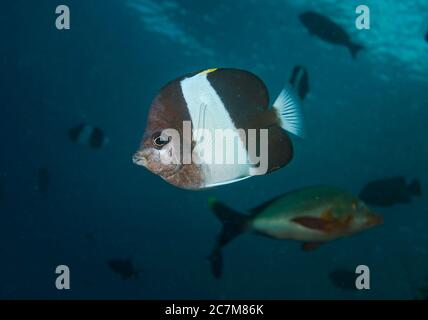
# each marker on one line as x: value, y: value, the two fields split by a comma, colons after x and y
x: 160, y: 140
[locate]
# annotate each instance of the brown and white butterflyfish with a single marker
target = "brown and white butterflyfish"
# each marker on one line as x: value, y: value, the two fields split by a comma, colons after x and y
x: 215, y: 127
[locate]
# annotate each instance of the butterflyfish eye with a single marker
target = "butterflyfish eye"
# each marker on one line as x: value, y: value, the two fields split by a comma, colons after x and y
x: 160, y: 140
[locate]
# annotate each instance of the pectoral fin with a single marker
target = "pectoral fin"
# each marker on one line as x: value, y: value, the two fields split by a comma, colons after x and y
x: 313, y: 223
x: 327, y: 215
x: 326, y: 222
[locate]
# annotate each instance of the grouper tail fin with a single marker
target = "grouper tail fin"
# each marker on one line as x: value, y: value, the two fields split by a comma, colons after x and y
x: 234, y: 223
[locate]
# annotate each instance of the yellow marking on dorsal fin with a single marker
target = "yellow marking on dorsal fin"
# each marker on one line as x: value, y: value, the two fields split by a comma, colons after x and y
x: 208, y: 71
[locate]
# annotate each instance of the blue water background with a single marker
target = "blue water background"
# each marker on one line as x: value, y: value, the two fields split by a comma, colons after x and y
x: 366, y: 119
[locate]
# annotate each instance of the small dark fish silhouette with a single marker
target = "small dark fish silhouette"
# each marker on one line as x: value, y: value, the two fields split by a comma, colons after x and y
x: 329, y: 31
x: 389, y: 191
x: 343, y: 279
x: 88, y: 135
x: 299, y: 80
x: 43, y: 181
x: 124, y: 267
x: 426, y: 37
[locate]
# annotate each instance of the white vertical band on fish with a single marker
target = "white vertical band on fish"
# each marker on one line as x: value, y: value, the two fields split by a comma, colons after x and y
x: 208, y: 112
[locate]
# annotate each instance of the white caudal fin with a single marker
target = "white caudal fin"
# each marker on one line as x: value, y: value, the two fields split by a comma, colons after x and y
x: 290, y: 112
